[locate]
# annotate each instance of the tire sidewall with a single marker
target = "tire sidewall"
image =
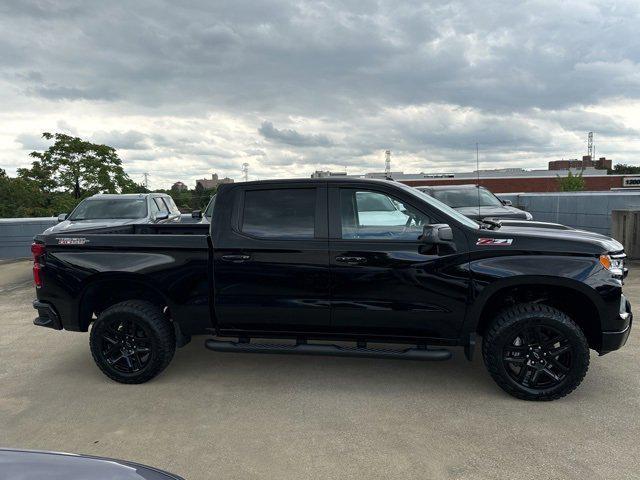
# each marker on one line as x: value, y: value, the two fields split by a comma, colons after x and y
x: 148, y: 320
x: 493, y: 353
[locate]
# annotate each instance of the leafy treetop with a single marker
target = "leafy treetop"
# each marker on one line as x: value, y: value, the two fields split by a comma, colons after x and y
x: 78, y: 167
x: 571, y: 183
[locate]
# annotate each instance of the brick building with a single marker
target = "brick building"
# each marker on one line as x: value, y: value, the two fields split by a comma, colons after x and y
x: 179, y: 187
x: 529, y: 183
x: 601, y: 164
x: 209, y: 184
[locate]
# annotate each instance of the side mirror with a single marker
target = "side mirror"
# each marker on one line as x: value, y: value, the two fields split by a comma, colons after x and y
x: 436, y: 233
x: 507, y: 203
x: 62, y: 217
x: 196, y: 214
x: 161, y: 216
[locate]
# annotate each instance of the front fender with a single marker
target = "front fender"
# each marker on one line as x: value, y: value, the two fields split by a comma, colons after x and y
x: 582, y: 274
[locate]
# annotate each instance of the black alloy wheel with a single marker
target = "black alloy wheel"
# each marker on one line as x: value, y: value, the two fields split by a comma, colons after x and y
x: 125, y: 345
x: 132, y: 341
x: 535, y: 352
x: 538, y: 357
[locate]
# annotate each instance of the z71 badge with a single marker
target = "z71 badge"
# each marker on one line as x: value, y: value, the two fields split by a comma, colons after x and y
x: 494, y: 241
x: 72, y: 241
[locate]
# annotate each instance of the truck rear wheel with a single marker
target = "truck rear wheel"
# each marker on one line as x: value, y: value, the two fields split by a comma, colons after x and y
x: 535, y: 352
x: 132, y: 341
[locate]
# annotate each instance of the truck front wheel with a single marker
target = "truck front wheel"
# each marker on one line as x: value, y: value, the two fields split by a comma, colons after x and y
x: 132, y: 341
x: 535, y: 352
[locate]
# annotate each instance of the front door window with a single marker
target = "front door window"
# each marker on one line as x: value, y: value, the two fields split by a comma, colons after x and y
x: 370, y: 215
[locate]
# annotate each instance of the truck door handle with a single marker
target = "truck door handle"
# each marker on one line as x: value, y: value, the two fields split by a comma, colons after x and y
x: 236, y: 258
x: 351, y: 260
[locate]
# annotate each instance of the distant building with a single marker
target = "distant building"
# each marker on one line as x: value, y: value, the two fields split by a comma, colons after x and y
x: 505, y: 180
x: 601, y: 164
x: 519, y: 180
x: 214, y: 182
x: 327, y: 173
x: 179, y: 187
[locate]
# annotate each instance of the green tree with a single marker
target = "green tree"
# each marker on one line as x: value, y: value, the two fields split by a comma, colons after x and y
x: 76, y: 166
x: 624, y: 169
x: 571, y: 183
x: 133, y: 187
x: 21, y: 198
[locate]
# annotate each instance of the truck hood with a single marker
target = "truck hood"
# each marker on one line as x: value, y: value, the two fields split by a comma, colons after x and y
x: 493, y: 212
x: 74, y: 226
x: 554, y: 237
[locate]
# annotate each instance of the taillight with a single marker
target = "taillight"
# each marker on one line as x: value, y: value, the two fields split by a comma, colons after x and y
x: 38, y: 250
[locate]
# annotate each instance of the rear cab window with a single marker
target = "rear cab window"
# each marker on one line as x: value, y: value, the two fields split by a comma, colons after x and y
x: 280, y: 213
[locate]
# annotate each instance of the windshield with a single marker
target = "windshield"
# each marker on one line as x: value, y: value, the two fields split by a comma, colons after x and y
x: 467, y: 197
x: 107, y: 208
x: 437, y: 204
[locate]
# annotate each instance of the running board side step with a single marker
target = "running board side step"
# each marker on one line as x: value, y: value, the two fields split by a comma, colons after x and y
x: 420, y: 353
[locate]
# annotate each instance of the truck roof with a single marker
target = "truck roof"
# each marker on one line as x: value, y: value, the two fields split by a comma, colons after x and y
x: 316, y: 180
x: 125, y: 195
x: 447, y: 187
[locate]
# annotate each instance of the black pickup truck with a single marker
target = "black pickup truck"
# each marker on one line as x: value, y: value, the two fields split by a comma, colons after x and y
x: 377, y: 267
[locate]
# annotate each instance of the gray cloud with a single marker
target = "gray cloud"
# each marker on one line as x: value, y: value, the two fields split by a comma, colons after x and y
x: 31, y: 142
x: 427, y: 79
x: 129, y: 140
x: 292, y: 137
x: 59, y: 92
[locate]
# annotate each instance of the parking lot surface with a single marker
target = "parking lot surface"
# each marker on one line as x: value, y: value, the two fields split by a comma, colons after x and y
x: 240, y: 416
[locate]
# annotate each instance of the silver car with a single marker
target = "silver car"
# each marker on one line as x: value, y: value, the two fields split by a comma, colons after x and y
x: 475, y: 202
x: 110, y: 210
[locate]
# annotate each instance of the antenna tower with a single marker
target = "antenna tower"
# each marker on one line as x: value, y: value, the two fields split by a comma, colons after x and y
x: 245, y: 172
x: 146, y: 179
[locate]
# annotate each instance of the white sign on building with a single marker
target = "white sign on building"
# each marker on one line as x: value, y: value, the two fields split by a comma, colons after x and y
x: 631, y: 182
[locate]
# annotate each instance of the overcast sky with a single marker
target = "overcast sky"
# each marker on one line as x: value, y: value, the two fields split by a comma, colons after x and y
x: 184, y: 89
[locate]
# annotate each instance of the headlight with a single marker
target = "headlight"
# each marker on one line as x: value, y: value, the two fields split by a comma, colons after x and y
x: 613, y: 263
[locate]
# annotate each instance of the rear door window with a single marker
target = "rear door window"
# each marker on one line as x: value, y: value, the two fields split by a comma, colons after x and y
x: 280, y: 213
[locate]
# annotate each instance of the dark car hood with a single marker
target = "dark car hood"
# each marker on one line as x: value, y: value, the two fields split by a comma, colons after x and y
x: 37, y: 465
x: 498, y: 211
x: 552, y: 237
x: 74, y: 226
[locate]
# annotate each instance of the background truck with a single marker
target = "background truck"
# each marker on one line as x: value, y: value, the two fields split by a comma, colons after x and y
x: 295, y: 262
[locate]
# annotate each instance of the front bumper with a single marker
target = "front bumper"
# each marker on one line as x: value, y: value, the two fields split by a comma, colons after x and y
x: 615, y: 340
x: 47, y: 316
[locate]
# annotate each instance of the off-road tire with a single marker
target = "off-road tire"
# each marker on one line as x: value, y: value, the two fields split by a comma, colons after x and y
x: 159, y: 330
x: 529, y: 315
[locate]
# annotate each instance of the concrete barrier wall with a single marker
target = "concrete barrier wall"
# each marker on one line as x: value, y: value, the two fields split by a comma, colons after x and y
x: 626, y: 229
x: 585, y: 210
x: 16, y: 235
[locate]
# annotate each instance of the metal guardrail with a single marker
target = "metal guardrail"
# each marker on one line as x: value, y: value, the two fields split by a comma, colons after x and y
x: 584, y: 210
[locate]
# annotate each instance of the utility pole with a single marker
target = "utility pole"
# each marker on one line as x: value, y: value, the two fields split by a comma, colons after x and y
x: 478, y: 177
x: 387, y: 163
x: 245, y: 172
